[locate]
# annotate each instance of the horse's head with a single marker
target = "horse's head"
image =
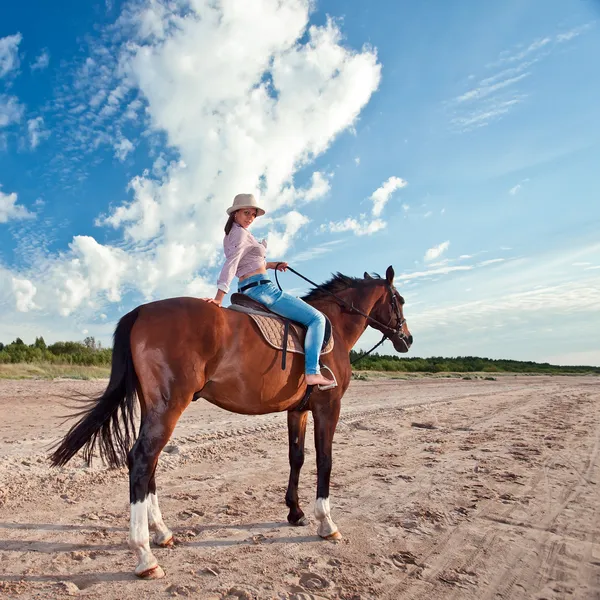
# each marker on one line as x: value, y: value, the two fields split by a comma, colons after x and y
x: 388, y: 316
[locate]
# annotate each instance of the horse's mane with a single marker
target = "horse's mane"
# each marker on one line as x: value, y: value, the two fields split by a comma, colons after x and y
x: 338, y: 283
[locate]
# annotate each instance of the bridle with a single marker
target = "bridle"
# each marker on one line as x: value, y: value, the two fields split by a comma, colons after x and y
x: 386, y: 329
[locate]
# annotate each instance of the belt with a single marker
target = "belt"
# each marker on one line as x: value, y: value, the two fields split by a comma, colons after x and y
x: 254, y: 284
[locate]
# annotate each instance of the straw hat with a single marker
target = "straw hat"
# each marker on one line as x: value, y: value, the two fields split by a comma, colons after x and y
x: 245, y: 201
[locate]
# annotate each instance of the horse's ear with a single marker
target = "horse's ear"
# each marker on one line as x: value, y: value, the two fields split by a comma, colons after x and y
x: 389, y: 275
x: 367, y: 276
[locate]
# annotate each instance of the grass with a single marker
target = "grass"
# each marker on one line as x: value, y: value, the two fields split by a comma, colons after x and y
x: 51, y: 371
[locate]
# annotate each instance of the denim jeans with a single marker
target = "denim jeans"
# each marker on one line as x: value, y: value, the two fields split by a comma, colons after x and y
x: 295, y: 309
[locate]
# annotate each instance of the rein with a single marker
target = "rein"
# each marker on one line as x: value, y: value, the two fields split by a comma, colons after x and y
x: 352, y: 308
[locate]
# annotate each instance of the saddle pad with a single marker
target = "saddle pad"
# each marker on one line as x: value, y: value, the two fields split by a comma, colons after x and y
x: 271, y: 329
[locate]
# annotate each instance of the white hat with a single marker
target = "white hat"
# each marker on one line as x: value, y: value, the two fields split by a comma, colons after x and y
x: 245, y: 201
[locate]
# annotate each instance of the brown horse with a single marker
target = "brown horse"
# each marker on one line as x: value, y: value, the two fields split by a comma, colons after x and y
x: 171, y: 352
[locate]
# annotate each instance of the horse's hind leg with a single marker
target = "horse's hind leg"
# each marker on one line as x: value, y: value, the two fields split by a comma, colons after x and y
x: 296, y: 433
x: 326, y: 417
x: 158, y: 422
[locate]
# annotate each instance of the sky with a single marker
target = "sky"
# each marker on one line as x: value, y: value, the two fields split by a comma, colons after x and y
x: 457, y: 141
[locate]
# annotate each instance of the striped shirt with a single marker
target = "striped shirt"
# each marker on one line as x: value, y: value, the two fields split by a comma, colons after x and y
x: 243, y: 255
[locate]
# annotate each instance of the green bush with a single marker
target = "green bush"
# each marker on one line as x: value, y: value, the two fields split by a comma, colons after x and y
x: 88, y: 353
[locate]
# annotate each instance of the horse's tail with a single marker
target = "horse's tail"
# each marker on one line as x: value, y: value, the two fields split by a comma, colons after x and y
x: 109, y: 421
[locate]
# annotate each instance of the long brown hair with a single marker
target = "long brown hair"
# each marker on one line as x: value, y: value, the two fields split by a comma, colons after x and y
x: 229, y: 223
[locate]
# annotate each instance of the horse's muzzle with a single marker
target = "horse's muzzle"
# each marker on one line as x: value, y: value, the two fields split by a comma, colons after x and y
x: 402, y: 343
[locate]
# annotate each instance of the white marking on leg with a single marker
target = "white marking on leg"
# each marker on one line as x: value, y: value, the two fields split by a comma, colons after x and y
x: 162, y: 534
x: 139, y: 537
x: 323, y: 514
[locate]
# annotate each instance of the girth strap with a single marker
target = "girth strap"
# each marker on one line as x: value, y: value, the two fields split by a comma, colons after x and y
x: 286, y: 332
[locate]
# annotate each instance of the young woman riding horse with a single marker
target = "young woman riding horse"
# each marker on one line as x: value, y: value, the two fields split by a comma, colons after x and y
x: 170, y: 352
x: 245, y: 257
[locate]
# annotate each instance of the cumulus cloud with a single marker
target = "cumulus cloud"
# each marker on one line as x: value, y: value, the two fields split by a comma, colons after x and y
x: 280, y: 238
x: 250, y: 118
x: 437, y: 251
x: 10, y: 210
x: 41, y: 62
x: 9, y: 54
x: 24, y: 292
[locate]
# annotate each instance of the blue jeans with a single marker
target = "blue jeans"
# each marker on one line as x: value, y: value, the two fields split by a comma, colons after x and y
x: 295, y: 309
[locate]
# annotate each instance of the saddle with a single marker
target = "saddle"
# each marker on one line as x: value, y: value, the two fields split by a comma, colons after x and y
x: 280, y: 333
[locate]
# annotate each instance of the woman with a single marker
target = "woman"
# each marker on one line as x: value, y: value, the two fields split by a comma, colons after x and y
x: 245, y: 257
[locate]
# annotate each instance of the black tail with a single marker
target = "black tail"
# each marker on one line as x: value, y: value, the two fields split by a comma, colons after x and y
x: 109, y: 422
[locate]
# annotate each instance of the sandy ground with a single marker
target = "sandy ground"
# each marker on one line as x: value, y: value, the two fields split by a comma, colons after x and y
x: 498, y: 499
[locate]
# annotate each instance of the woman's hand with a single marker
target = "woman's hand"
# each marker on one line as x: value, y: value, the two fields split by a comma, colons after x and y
x: 218, y: 299
x: 212, y: 301
x: 278, y: 266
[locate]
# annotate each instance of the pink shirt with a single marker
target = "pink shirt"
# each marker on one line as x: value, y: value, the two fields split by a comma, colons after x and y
x: 243, y: 255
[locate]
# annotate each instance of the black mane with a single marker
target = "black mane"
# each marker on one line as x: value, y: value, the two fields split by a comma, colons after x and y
x: 338, y: 283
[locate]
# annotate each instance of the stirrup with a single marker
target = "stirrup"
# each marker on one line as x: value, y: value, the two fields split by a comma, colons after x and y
x: 330, y: 386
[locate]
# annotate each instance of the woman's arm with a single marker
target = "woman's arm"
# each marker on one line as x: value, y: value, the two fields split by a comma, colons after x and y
x: 218, y: 299
x: 280, y: 265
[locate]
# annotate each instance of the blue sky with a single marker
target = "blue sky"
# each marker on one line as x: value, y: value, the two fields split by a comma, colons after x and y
x: 458, y: 142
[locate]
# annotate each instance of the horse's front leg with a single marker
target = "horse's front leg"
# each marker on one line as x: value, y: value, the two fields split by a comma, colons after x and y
x: 296, y: 432
x: 325, y: 414
x: 163, y: 536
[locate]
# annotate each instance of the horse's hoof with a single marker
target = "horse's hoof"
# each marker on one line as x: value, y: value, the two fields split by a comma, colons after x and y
x: 301, y: 522
x: 168, y: 543
x: 153, y: 573
x: 336, y: 536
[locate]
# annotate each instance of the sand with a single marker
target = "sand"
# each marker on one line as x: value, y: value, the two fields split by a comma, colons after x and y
x: 441, y: 488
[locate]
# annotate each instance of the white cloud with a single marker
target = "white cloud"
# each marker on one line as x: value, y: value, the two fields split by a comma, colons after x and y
x: 437, y: 251
x: 496, y: 95
x: 481, y: 117
x: 36, y: 132
x: 489, y: 88
x: 442, y: 270
x: 247, y: 118
x: 360, y: 226
x: 573, y: 33
x: 382, y: 194
x: 24, y: 292
x: 320, y: 187
x: 41, y: 62
x: 11, y: 111
x: 314, y: 252
x: 357, y: 161
x: 279, y: 241
x: 9, y: 209
x: 122, y: 148
x: 563, y: 299
x: 9, y: 54
x: 363, y: 225
x: 515, y: 190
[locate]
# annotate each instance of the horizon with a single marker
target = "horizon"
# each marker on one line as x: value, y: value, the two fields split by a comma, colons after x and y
x: 458, y: 145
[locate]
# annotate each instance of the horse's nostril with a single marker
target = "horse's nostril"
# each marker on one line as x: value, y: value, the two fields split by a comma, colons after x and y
x: 410, y: 339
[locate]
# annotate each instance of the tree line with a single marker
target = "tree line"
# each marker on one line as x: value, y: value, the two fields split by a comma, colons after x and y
x: 90, y: 352
x: 460, y: 364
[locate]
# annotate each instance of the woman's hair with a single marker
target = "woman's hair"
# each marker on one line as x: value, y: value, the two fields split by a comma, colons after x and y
x: 229, y: 223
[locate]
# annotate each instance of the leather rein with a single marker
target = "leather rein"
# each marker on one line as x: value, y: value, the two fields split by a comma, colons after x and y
x: 389, y: 331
